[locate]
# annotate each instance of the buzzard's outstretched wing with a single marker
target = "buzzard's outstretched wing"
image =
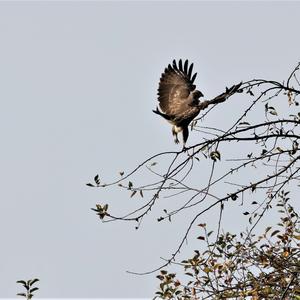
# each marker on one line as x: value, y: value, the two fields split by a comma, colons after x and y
x: 179, y: 100
x: 175, y: 88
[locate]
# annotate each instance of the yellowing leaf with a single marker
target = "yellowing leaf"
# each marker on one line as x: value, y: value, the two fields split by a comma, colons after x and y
x: 285, y: 253
x: 207, y: 270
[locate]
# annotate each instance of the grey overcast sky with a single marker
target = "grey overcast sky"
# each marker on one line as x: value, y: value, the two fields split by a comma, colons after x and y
x: 78, y: 83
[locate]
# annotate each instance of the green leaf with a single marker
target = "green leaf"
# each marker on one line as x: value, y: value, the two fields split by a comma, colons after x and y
x: 295, y: 145
x: 33, y: 281
x: 266, y: 107
x: 22, y: 295
x: 279, y: 149
x: 250, y: 92
x: 160, y: 277
x: 215, y: 155
x: 264, y: 151
x: 268, y: 229
x: 233, y: 196
x: 272, y: 111
x: 97, y: 179
x: 275, y: 232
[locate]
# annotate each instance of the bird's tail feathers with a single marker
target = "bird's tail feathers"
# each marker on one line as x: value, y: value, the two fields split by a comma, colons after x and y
x: 158, y: 112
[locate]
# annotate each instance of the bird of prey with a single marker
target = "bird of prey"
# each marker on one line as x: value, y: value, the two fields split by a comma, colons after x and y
x: 179, y: 100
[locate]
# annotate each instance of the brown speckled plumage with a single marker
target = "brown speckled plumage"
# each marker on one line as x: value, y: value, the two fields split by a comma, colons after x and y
x: 179, y: 100
x: 178, y: 97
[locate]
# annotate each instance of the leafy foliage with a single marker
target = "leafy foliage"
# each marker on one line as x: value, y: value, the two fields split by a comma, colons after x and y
x: 243, y: 267
x: 29, y: 287
x: 256, y: 177
x: 101, y: 210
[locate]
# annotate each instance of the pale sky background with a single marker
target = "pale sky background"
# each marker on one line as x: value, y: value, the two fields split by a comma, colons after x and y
x: 78, y: 83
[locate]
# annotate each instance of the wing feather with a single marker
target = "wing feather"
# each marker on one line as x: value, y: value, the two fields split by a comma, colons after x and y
x: 175, y: 65
x: 186, y: 67
x: 190, y: 71
x: 193, y: 78
x: 180, y: 65
x: 175, y: 87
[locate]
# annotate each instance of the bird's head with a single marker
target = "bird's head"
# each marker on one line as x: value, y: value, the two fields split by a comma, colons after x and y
x: 197, y: 94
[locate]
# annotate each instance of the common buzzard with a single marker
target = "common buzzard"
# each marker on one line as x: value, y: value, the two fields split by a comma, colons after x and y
x: 179, y: 100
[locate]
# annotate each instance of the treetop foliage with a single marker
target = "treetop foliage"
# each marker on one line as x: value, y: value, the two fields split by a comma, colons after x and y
x: 255, y: 161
